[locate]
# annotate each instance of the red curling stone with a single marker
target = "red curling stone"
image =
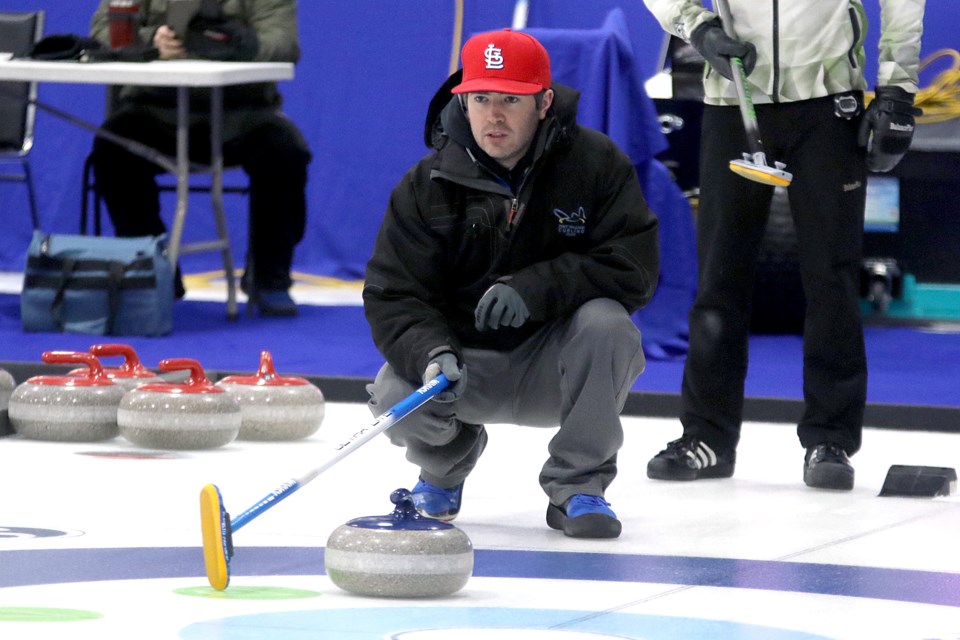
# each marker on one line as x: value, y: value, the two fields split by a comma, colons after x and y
x: 193, y: 414
x: 70, y: 408
x: 275, y: 407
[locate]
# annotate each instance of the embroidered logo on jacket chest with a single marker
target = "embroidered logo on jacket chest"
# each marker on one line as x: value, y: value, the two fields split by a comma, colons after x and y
x: 571, y: 224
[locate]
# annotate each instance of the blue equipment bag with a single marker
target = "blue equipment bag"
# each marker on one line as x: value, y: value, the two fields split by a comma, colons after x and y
x: 97, y: 285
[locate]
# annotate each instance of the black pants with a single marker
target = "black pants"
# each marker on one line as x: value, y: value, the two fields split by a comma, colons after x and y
x: 827, y: 199
x: 268, y: 146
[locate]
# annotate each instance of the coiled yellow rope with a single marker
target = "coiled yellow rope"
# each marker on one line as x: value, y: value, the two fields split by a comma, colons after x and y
x: 941, y: 100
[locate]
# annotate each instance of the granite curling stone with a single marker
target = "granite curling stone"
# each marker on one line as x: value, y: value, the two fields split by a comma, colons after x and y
x: 67, y: 408
x: 7, y: 385
x: 275, y: 407
x: 131, y: 373
x: 193, y: 414
x: 400, y: 555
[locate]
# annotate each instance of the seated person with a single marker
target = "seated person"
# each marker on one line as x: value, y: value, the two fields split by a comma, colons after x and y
x: 256, y: 135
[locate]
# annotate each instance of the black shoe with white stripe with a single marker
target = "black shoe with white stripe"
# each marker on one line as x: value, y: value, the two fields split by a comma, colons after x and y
x: 689, y: 458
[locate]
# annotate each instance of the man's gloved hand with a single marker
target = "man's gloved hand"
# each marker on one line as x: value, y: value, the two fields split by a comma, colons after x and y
x: 887, y: 127
x: 717, y: 48
x: 446, y: 363
x: 220, y: 39
x: 500, y: 306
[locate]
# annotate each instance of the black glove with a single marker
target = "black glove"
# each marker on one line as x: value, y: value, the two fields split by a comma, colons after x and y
x: 500, y: 306
x: 717, y: 48
x: 64, y: 46
x: 887, y: 127
x: 218, y: 39
x: 446, y: 363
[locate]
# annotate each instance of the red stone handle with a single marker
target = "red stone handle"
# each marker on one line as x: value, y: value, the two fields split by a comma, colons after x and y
x: 130, y: 360
x: 266, y: 370
x: 197, y: 378
x: 94, y: 368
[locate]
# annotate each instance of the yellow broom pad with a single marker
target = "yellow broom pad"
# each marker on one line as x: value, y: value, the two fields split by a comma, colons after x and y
x: 763, y: 175
x: 215, y: 524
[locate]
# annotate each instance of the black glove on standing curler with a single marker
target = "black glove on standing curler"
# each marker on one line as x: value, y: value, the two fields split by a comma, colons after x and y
x: 887, y: 127
x: 717, y: 48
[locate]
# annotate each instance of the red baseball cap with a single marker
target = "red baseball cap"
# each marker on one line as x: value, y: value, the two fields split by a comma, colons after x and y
x: 505, y: 62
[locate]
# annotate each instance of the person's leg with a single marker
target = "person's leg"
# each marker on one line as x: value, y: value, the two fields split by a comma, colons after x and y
x: 577, y: 373
x: 444, y: 448
x: 127, y: 181
x: 731, y: 219
x: 275, y: 155
x: 828, y: 198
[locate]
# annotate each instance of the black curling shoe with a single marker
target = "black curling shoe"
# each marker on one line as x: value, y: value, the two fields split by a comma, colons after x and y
x: 826, y: 466
x: 689, y: 458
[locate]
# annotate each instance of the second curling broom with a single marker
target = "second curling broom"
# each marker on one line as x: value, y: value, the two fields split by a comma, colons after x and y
x: 753, y: 165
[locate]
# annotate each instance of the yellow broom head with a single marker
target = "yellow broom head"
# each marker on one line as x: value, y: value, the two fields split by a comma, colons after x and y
x: 215, y: 526
x: 761, y: 173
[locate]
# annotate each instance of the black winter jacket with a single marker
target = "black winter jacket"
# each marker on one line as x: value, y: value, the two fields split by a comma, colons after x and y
x: 582, y: 231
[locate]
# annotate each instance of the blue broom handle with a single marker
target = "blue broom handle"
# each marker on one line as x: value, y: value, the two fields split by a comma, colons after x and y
x: 383, y: 422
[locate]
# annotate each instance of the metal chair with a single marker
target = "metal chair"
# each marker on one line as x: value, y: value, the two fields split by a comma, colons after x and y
x: 92, y: 202
x: 18, y: 33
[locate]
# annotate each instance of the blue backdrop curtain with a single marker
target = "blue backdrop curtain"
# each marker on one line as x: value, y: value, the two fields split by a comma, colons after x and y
x: 369, y: 69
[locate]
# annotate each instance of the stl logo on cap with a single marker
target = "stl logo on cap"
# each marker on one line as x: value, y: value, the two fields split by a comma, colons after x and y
x: 493, y: 56
x: 504, y: 61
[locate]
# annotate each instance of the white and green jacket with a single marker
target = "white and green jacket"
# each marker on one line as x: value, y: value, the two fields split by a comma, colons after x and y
x: 806, y: 48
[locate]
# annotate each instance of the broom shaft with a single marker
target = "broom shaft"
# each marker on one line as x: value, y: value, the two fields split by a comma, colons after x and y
x: 350, y: 444
x: 747, y: 112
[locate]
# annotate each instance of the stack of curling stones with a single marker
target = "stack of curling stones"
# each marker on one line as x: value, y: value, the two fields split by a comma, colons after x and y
x: 401, y: 555
x: 181, y: 409
x: 193, y: 414
x: 131, y: 372
x: 67, y: 408
x: 275, y: 407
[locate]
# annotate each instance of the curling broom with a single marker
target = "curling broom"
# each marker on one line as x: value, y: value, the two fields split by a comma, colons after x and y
x: 218, y: 528
x: 754, y: 165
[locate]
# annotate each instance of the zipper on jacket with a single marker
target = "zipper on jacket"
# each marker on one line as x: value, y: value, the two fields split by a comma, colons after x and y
x: 515, y: 204
x: 776, y: 52
x: 857, y: 34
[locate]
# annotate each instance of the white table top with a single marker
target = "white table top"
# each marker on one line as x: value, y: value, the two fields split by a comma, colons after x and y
x: 160, y: 73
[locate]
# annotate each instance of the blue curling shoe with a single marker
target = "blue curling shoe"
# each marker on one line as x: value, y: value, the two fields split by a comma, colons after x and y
x: 584, y: 516
x: 435, y: 502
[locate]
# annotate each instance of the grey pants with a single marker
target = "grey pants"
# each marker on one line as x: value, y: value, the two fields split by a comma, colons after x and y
x: 575, y: 373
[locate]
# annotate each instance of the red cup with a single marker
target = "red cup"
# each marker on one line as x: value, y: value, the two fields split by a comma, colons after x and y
x: 123, y: 22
